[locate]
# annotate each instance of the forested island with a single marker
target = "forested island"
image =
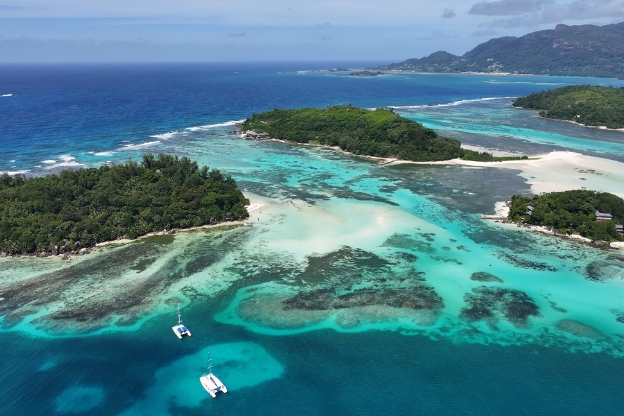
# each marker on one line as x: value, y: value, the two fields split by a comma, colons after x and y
x: 583, y: 50
x: 584, y: 104
x: 591, y: 214
x: 78, y: 208
x: 379, y: 133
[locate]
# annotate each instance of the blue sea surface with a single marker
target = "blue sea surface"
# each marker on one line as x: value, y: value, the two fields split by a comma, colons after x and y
x: 93, y: 335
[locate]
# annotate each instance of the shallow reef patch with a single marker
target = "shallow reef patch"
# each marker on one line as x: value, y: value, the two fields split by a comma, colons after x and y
x: 485, y: 277
x: 491, y: 304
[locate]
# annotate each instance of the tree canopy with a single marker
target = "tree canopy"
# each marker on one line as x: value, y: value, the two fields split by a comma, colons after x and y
x: 101, y: 204
x: 379, y: 133
x: 571, y: 212
x: 585, y: 104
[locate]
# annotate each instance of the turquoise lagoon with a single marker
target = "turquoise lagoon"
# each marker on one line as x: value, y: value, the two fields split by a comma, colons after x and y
x: 360, y: 288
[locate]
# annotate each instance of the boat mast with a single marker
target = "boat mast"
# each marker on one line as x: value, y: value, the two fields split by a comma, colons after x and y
x: 209, y: 364
x: 179, y: 316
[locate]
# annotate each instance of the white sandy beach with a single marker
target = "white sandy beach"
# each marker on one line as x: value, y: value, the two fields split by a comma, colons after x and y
x: 558, y: 171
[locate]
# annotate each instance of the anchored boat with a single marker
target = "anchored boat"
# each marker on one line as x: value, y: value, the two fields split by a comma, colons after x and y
x: 210, y: 382
x: 180, y: 329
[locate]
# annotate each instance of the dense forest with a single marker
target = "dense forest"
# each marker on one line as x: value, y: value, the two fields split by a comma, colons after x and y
x: 379, y: 133
x: 101, y: 204
x: 583, y: 50
x: 571, y: 212
x: 585, y: 104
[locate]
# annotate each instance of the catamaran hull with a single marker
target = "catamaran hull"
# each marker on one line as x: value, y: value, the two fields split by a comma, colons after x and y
x: 180, y: 333
x: 212, y: 384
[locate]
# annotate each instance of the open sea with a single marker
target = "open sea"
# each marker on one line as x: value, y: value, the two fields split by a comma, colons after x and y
x: 360, y: 289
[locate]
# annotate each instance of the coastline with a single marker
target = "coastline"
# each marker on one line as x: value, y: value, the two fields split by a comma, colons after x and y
x: 502, y: 210
x: 254, y: 206
x: 568, y: 121
x: 88, y: 250
x: 551, y: 172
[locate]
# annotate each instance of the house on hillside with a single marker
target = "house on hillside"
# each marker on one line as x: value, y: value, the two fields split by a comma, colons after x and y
x: 601, y: 216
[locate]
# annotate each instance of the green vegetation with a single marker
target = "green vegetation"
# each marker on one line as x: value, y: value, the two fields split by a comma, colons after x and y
x: 380, y: 133
x: 366, y: 74
x: 585, y: 50
x: 585, y: 104
x: 571, y: 212
x: 95, y: 205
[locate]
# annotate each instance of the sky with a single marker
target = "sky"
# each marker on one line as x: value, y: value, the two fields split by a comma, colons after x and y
x: 274, y: 30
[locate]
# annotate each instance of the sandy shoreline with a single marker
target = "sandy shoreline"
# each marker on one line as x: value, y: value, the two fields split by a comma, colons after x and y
x: 557, y: 171
x: 250, y: 208
x: 552, y: 172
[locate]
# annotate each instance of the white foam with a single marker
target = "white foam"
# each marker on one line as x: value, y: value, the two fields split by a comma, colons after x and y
x: 14, y: 172
x: 7, y: 95
x: 165, y: 136
x: 139, y: 146
x: 452, y: 104
x: 48, y: 161
x: 103, y: 153
x: 67, y: 158
x: 209, y: 126
x: 68, y: 164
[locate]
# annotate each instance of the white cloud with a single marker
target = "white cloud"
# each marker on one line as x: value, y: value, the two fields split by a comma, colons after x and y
x: 550, y: 12
x: 507, y: 7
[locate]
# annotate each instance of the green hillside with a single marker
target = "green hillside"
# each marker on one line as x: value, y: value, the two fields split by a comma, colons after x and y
x: 96, y: 205
x: 380, y: 133
x: 588, y: 105
x: 585, y: 50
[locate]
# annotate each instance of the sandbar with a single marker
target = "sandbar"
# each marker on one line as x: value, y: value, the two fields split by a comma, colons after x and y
x: 556, y: 171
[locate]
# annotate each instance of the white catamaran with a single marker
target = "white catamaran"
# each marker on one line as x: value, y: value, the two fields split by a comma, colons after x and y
x: 180, y: 329
x: 210, y: 382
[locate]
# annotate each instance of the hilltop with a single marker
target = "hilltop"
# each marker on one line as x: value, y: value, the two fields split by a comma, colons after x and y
x: 585, y: 50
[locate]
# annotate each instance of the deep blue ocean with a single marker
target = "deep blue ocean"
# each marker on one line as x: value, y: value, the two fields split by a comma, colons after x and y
x: 109, y: 360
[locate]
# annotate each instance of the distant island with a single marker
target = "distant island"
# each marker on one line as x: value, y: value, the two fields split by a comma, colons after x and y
x: 378, y: 133
x: 366, y: 73
x: 73, y: 210
x: 331, y: 70
x: 585, y: 50
x: 584, y: 104
x: 594, y: 215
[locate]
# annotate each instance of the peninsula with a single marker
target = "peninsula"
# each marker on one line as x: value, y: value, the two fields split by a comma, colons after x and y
x: 78, y: 208
x: 378, y: 133
x: 584, y: 50
x: 583, y: 104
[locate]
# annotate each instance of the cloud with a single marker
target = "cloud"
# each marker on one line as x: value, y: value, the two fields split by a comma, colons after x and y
x: 547, y: 12
x: 448, y: 13
x: 507, y: 7
x: 236, y: 35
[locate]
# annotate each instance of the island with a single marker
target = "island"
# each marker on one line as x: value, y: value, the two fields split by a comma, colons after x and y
x: 594, y: 215
x: 580, y: 50
x: 366, y: 74
x: 377, y: 133
x: 584, y: 104
x: 76, y: 209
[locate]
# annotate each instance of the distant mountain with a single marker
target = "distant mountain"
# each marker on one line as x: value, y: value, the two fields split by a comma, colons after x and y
x: 585, y: 50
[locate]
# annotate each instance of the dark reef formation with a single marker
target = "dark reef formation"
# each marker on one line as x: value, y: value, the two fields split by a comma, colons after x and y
x: 485, y: 277
x: 488, y: 304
